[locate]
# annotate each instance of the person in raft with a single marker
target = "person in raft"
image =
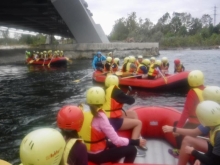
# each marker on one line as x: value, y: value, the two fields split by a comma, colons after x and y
x: 97, y: 63
x: 96, y: 128
x: 43, y: 146
x: 113, y: 107
x: 143, y: 68
x: 108, y: 65
x: 211, y: 93
x: 178, y: 66
x: 70, y: 119
x: 125, y: 62
x: 188, y: 118
x: 115, y: 65
x: 165, y: 66
x: 154, y: 70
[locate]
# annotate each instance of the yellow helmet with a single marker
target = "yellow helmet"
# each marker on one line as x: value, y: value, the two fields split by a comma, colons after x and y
x: 212, y: 93
x: 146, y: 62
x: 111, y: 80
x: 55, y: 52
x: 164, y: 60
x: 195, y: 78
x: 132, y: 59
x: 109, y: 59
x: 37, y: 52
x: 158, y: 62
x: 208, y: 113
x: 116, y: 60
x: 61, y: 52
x: 140, y: 56
x: 95, y: 95
x: 45, y: 52
x: 152, y: 59
x: 41, y: 53
x: 49, y: 51
x: 126, y: 59
x: 42, y: 147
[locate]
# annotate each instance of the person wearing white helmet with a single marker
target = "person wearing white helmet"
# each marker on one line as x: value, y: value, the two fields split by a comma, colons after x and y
x: 165, y: 65
x: 210, y: 93
x: 139, y: 60
x: 42, y: 147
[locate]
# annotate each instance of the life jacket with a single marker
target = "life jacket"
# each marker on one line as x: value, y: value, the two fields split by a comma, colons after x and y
x: 213, y: 134
x: 67, y: 150
x: 94, y: 140
x: 139, y: 71
x: 152, y: 71
x: 137, y: 63
x: 112, y: 108
x: 109, y: 69
x: 129, y: 69
x: 164, y: 68
x: 192, y: 115
x: 179, y: 68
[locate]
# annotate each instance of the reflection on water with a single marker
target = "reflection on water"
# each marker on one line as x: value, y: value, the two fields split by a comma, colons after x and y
x: 30, y: 96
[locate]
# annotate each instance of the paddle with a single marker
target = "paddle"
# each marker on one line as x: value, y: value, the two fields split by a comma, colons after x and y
x: 44, y: 60
x: 31, y: 61
x: 77, y: 81
x: 2, y: 162
x: 68, y: 59
x: 165, y: 79
x: 131, y: 76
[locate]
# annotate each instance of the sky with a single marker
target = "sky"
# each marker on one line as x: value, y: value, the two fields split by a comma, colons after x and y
x: 106, y: 12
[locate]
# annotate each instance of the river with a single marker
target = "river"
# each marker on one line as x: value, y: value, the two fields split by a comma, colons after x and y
x: 30, y: 97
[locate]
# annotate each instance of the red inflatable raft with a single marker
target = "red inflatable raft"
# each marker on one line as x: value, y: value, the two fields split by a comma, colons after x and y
x: 54, y: 61
x: 158, y: 143
x: 173, y: 82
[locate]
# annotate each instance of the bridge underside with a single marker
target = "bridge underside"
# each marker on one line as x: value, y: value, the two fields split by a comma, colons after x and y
x: 33, y: 15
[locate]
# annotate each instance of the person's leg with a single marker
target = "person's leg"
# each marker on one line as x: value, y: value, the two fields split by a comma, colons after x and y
x: 133, y: 124
x: 130, y: 114
x: 114, y: 155
x: 198, y: 144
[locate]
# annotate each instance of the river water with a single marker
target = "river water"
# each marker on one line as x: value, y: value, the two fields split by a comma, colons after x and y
x: 30, y: 97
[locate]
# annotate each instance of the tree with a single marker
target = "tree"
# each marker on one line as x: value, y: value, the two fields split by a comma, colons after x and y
x: 206, y: 20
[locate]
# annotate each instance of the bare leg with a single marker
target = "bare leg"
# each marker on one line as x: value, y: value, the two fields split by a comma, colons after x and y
x: 130, y: 114
x: 197, y: 143
x: 133, y: 124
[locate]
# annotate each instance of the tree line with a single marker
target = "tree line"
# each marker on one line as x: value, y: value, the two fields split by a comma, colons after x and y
x: 178, y: 30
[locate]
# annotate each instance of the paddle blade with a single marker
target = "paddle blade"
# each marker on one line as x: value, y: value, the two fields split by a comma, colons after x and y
x: 119, y: 73
x: 76, y: 81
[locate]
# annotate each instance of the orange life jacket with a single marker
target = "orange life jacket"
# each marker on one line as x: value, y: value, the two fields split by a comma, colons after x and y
x: 179, y: 68
x: 112, y: 108
x: 115, y: 68
x: 94, y: 139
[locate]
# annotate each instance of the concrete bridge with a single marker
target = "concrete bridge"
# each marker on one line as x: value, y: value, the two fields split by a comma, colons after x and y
x: 66, y: 18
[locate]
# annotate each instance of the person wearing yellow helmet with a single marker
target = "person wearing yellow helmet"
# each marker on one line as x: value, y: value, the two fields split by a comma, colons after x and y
x: 61, y: 54
x: 97, y: 125
x: 108, y: 65
x: 210, y: 93
x: 43, y: 146
x: 165, y: 65
x: 188, y: 118
x: 131, y: 65
x: 115, y: 64
x: 154, y: 68
x: 125, y: 62
x: 143, y: 68
x: 70, y: 119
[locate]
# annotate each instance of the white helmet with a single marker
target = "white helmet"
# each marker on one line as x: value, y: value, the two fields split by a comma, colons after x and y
x: 140, y: 56
x: 152, y: 59
x: 42, y: 147
x: 208, y: 113
x: 164, y: 59
x: 212, y: 93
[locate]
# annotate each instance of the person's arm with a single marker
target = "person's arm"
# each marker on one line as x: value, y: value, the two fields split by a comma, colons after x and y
x: 183, y: 68
x: 121, y: 97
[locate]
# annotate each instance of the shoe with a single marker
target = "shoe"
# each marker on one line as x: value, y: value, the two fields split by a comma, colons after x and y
x: 174, y: 152
x: 144, y: 148
x: 140, y: 152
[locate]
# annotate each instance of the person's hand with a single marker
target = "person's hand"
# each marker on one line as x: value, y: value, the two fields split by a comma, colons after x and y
x: 189, y: 149
x: 143, y: 142
x: 197, y: 162
x: 167, y: 128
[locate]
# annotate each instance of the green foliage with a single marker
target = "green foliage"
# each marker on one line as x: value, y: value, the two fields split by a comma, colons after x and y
x: 180, y: 30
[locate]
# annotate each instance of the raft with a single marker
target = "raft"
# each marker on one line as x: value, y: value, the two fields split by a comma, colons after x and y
x: 58, y: 61
x: 158, y: 143
x: 172, y: 82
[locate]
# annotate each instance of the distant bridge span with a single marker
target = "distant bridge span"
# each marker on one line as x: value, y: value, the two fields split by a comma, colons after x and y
x: 66, y: 18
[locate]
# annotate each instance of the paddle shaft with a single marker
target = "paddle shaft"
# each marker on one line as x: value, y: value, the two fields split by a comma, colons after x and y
x: 131, y: 76
x: 163, y: 76
x: 84, y: 76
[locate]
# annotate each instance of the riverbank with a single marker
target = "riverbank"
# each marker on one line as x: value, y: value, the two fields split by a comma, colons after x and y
x: 190, y: 48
